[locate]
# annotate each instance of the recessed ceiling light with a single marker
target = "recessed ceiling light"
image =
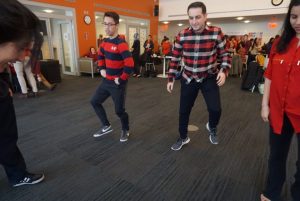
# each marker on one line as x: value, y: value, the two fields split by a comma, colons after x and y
x: 166, y: 22
x: 247, y: 21
x: 180, y: 24
x: 48, y: 11
x: 240, y: 18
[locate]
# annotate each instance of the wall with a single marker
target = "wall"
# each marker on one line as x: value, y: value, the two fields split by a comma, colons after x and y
x: 172, y: 29
x: 174, y: 10
x: 87, y: 33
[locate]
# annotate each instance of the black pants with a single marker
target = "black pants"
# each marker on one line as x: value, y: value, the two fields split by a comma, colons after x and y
x: 10, y: 155
x: 279, y: 149
x: 188, y: 95
x: 118, y: 94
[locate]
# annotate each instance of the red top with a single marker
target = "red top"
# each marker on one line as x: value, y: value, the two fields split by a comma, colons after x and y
x: 284, y: 72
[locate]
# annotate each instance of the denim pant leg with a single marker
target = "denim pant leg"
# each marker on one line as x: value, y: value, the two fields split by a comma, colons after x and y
x: 296, y: 186
x: 10, y: 155
x: 99, y: 97
x: 118, y: 94
x: 188, y: 95
x: 279, y: 148
x: 211, y: 94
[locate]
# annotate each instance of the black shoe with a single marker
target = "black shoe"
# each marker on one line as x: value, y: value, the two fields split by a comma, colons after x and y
x: 53, y: 86
x: 213, y: 138
x: 104, y: 130
x: 179, y: 143
x: 30, y: 179
x: 124, y: 136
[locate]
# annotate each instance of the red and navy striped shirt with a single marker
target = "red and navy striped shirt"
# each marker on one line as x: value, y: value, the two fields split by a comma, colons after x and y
x: 115, y: 58
x: 201, y: 53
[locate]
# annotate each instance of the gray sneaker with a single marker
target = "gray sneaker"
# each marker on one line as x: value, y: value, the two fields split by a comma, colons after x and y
x: 103, y: 131
x: 180, y: 142
x: 213, y: 138
x: 124, y: 136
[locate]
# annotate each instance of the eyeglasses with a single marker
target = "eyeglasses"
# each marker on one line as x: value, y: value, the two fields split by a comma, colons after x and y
x: 108, y: 24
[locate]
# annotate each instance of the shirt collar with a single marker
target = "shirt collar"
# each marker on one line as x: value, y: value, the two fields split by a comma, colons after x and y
x: 205, y: 28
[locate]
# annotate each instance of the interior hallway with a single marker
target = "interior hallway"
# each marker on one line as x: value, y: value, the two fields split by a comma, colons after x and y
x: 55, y: 136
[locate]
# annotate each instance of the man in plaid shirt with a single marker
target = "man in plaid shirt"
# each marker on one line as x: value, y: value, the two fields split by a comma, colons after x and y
x: 206, y: 62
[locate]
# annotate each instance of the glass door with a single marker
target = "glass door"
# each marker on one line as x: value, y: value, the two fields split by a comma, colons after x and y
x: 67, y: 47
x: 47, y: 50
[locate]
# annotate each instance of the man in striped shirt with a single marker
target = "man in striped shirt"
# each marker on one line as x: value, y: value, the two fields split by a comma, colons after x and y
x: 206, y: 61
x: 115, y: 63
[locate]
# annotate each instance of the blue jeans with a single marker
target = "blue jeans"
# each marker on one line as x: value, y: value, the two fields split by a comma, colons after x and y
x: 188, y: 95
x: 279, y: 149
x: 118, y: 93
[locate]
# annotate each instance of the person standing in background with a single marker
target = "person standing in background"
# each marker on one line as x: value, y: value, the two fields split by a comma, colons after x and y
x: 135, y: 51
x: 280, y: 104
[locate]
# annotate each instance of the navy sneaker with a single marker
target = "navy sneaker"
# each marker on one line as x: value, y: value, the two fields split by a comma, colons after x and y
x: 103, y: 131
x: 180, y: 142
x: 124, y: 136
x: 213, y: 138
x: 30, y: 179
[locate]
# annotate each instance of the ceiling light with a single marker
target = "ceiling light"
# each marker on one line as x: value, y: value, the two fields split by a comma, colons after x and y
x: 208, y: 23
x: 121, y: 20
x: 142, y: 23
x: 180, y: 24
x: 97, y: 17
x: 239, y: 18
x: 166, y: 22
x: 247, y: 21
x: 48, y: 11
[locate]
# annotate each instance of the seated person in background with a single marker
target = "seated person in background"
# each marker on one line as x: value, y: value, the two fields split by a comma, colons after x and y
x: 92, y: 54
x: 149, y: 46
x: 37, y: 71
x: 166, y: 47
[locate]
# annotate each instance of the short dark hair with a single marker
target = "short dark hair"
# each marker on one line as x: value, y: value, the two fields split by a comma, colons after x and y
x: 113, y: 15
x: 19, y: 25
x: 197, y: 4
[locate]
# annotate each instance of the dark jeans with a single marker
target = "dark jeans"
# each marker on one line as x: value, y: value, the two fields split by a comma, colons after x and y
x: 10, y: 155
x: 118, y: 93
x: 188, y: 95
x: 279, y: 149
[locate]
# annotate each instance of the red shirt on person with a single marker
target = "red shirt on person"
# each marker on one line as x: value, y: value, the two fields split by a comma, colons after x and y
x: 284, y: 72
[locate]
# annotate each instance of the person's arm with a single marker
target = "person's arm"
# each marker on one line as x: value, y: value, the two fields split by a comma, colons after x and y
x: 101, y: 61
x: 128, y: 61
x: 265, y: 109
x: 224, y: 57
x: 174, y: 63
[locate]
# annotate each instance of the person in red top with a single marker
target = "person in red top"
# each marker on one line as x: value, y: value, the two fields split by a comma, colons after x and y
x: 92, y: 54
x: 166, y: 47
x: 115, y: 63
x: 280, y: 104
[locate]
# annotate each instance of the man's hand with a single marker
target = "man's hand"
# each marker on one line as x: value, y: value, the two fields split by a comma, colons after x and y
x: 103, y: 73
x: 10, y: 92
x: 117, y: 81
x: 221, y: 78
x: 170, y: 86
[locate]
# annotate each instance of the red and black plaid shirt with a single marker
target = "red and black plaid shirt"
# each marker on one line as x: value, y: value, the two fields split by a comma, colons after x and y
x: 201, y: 53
